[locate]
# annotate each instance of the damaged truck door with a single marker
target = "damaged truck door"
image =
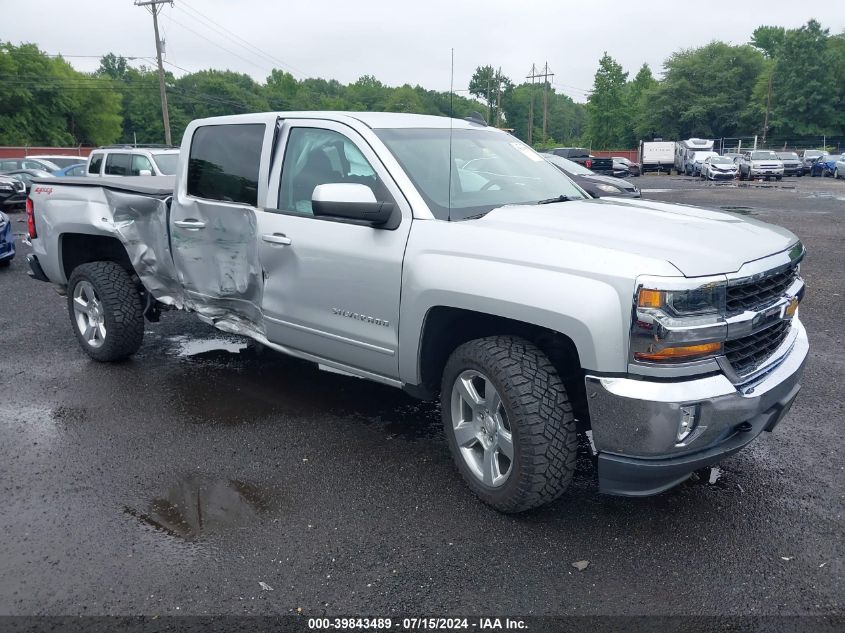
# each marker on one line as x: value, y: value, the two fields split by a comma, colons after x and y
x: 213, y: 225
x: 348, y: 313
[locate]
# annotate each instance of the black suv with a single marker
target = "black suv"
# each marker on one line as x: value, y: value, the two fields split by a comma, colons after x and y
x: 12, y: 194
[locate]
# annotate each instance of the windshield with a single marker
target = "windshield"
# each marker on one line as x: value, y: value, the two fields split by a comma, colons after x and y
x: 813, y: 153
x: 166, y: 163
x: 489, y: 169
x: 720, y: 160
x: 788, y: 155
x: 764, y: 156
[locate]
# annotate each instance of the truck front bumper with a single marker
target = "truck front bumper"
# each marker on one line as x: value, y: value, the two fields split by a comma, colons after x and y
x: 635, y: 423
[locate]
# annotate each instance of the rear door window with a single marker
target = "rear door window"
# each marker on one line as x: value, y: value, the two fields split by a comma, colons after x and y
x: 96, y: 164
x: 224, y: 162
x: 117, y: 164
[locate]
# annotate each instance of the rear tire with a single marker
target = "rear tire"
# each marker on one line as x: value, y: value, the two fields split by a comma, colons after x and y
x: 515, y: 443
x: 105, y: 310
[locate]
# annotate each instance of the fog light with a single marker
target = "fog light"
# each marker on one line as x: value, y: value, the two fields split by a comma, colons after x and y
x: 689, y: 418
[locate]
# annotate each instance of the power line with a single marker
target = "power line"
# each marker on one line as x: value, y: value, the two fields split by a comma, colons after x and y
x: 187, y: 28
x: 244, y: 43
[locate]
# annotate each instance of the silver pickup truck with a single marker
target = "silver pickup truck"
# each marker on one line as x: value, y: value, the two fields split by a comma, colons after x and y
x: 445, y: 257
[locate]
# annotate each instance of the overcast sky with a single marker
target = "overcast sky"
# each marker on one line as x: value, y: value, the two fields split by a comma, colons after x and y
x: 400, y: 41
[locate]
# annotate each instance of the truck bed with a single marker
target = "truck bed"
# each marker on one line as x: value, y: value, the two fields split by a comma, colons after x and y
x: 156, y: 186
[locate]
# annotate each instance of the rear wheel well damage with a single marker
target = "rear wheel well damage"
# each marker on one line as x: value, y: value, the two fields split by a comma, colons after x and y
x: 447, y: 328
x: 81, y: 248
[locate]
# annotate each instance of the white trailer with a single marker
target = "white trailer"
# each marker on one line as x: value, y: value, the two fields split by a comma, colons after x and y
x: 685, y: 153
x: 656, y: 156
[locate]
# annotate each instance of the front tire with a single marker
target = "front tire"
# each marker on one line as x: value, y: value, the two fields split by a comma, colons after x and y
x: 509, y: 423
x: 105, y: 311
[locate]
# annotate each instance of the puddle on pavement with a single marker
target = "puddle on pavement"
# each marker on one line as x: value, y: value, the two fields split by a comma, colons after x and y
x: 220, y: 386
x: 194, y: 506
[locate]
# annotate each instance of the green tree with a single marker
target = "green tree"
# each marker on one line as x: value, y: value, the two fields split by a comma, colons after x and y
x: 768, y: 39
x: 805, y: 96
x: 704, y: 92
x: 636, y: 99
x: 609, y: 122
x: 45, y: 101
x: 487, y: 84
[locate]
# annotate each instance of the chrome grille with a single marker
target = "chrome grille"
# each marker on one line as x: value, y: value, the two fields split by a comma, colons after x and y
x: 756, y: 294
x: 747, y: 353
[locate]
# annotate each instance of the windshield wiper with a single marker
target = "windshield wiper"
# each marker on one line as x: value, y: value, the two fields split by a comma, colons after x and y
x: 553, y: 200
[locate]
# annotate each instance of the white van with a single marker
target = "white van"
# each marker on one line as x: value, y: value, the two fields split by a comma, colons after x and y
x: 133, y: 160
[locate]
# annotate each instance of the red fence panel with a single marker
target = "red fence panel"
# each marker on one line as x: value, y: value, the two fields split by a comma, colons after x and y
x: 18, y: 152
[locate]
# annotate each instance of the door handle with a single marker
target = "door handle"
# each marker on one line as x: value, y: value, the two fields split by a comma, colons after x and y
x: 190, y: 224
x: 276, y: 238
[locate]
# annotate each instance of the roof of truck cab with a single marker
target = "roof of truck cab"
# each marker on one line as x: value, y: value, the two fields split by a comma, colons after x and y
x: 373, y: 120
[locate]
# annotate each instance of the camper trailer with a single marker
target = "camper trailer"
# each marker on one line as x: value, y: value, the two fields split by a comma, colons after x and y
x: 656, y: 156
x: 685, y: 153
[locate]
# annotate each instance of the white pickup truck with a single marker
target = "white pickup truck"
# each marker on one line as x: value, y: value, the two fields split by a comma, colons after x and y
x: 445, y: 257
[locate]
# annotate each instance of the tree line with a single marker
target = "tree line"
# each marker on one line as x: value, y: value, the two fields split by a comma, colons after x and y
x: 782, y: 82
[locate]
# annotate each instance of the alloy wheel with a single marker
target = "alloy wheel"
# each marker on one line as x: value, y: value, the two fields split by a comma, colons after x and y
x: 481, y: 428
x: 89, y: 314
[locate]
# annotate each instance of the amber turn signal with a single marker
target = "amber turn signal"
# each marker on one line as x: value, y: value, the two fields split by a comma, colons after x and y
x: 651, y: 298
x: 685, y: 352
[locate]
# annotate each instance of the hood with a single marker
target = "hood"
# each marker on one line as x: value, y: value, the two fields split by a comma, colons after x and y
x: 723, y: 166
x: 696, y: 241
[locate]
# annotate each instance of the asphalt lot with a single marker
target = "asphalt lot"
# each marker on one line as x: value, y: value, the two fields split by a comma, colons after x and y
x: 176, y: 482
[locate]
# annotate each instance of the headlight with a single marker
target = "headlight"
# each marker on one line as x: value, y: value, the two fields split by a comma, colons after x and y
x: 608, y: 188
x: 679, y: 325
x: 706, y: 299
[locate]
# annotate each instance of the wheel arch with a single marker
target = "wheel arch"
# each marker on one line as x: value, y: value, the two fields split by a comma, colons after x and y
x: 445, y: 328
x: 76, y: 249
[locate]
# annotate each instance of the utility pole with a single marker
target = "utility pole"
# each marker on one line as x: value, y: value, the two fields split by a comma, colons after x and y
x: 153, y: 6
x: 531, y: 104
x: 498, y: 96
x: 545, y: 75
x: 488, y: 96
x: 768, y: 106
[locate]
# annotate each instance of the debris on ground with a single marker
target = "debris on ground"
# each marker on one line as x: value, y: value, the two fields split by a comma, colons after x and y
x: 265, y: 586
x: 715, y: 473
x: 581, y: 565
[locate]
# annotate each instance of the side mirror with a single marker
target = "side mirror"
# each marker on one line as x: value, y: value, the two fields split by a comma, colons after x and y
x: 145, y: 172
x: 352, y: 201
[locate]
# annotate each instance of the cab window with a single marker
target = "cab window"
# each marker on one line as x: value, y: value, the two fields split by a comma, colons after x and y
x: 224, y: 162
x: 96, y: 164
x: 317, y: 157
x: 117, y: 165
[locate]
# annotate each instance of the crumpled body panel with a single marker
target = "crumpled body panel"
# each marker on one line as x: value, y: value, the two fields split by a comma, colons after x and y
x: 215, y: 272
x: 140, y: 223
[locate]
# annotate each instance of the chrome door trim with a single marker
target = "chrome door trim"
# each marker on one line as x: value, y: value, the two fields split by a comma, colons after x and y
x: 334, y: 337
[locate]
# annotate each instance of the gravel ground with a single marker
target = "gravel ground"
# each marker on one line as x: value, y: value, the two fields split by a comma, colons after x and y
x: 179, y: 481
